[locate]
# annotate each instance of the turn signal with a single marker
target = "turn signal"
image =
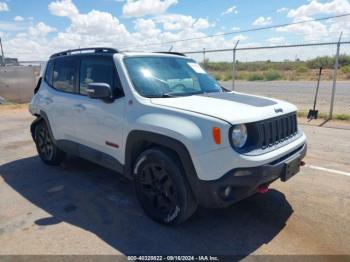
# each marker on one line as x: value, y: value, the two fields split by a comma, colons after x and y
x: 217, y: 135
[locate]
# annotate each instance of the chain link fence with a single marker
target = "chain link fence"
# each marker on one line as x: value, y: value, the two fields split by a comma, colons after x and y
x: 288, y: 72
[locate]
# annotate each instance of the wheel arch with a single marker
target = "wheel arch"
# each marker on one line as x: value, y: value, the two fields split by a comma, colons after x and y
x: 139, y: 141
x: 41, y: 117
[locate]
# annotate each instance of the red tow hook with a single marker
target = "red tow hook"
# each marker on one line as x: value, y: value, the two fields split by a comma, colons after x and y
x: 262, y: 189
x: 302, y: 163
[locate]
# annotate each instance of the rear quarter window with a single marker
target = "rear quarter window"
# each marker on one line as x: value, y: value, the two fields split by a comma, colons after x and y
x: 64, y: 75
x: 48, y: 73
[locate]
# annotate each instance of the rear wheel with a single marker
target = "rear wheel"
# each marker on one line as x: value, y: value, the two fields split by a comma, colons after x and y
x: 162, y: 191
x: 47, y: 150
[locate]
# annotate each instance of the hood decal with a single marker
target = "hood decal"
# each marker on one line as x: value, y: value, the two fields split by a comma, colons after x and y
x: 241, y: 98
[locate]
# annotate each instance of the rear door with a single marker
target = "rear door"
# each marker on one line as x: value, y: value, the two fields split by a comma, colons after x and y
x: 99, y: 124
x: 59, y: 96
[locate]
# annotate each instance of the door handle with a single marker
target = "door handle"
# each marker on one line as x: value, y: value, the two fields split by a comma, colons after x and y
x: 80, y: 107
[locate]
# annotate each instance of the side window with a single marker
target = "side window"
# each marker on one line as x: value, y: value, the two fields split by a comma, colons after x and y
x: 64, y: 74
x: 48, y: 73
x: 96, y: 70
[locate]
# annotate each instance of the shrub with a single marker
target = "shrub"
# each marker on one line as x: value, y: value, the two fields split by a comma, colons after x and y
x: 217, y: 76
x: 343, y: 117
x: 272, y: 75
x: 302, y: 69
x: 255, y: 77
x: 345, y: 69
x: 227, y: 76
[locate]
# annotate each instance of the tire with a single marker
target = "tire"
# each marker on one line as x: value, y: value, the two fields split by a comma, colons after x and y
x: 49, y: 153
x: 161, y: 188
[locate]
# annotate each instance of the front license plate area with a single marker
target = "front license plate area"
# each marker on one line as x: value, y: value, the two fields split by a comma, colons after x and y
x: 291, y: 168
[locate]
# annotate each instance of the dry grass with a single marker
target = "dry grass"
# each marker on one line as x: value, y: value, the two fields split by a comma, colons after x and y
x: 287, y: 75
x: 341, y: 117
x: 13, y: 107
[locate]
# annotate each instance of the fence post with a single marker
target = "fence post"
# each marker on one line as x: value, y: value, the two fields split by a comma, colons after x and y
x: 204, y: 64
x: 2, y: 62
x: 336, y: 65
x: 234, y: 66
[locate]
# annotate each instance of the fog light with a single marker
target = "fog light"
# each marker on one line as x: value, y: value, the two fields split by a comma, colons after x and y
x: 227, y: 191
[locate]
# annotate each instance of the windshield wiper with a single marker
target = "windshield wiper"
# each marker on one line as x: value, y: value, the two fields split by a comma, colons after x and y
x: 165, y: 95
x: 171, y: 95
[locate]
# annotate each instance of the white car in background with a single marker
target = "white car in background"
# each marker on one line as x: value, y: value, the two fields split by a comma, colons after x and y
x: 162, y: 121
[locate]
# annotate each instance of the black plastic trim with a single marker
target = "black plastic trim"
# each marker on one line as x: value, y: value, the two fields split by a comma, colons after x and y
x: 91, y: 154
x: 244, y: 181
x: 105, y: 50
x: 137, y: 137
x: 252, y: 147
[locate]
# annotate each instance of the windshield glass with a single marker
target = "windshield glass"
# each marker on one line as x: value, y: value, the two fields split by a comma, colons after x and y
x: 169, y: 77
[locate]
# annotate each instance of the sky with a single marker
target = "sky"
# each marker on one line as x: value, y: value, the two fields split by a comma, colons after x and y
x: 32, y: 30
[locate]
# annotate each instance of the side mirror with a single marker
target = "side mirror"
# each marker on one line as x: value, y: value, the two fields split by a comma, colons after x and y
x: 99, y: 91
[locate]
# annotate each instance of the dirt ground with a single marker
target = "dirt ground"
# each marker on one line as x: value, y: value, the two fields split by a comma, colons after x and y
x: 80, y: 208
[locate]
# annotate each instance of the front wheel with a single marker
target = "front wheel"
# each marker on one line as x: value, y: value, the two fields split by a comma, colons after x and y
x: 161, y: 188
x: 48, y: 152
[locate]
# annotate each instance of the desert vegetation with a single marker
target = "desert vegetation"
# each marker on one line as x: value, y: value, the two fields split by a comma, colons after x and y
x: 286, y: 70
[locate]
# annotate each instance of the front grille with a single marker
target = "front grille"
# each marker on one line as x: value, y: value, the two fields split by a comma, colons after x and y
x: 276, y: 130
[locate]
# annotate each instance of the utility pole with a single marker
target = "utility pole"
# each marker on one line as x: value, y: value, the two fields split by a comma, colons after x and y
x: 2, y: 54
x: 336, y: 65
x: 234, y: 66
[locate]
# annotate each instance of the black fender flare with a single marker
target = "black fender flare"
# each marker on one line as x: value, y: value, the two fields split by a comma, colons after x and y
x: 41, y: 117
x: 137, y: 137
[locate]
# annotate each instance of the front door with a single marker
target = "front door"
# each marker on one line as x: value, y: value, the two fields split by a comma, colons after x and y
x: 99, y: 124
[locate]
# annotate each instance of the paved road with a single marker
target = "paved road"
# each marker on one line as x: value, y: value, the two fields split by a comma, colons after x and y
x: 300, y: 93
x: 80, y: 208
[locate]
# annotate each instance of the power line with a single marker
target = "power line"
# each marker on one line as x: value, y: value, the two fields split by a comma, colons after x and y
x: 242, y: 31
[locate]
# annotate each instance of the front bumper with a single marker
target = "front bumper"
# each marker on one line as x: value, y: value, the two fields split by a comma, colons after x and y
x: 243, y: 181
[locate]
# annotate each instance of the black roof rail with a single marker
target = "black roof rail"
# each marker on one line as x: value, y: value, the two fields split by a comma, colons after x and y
x: 171, y: 53
x: 94, y: 49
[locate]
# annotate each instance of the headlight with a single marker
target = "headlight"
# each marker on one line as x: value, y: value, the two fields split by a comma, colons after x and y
x: 239, y: 135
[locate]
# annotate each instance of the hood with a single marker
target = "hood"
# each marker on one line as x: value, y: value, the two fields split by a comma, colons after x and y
x: 232, y: 107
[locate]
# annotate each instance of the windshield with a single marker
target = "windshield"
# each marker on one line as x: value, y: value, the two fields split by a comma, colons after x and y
x: 169, y: 77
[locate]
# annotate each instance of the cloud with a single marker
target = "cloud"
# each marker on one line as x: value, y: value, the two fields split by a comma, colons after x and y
x: 232, y: 9
x: 97, y: 28
x: 175, y: 22
x: 201, y: 23
x: 18, y: 18
x: 235, y: 28
x: 63, y: 8
x: 239, y: 37
x: 11, y: 26
x: 3, y: 7
x: 315, y: 30
x: 146, y: 27
x: 134, y: 8
x: 282, y: 9
x: 261, y: 21
x: 315, y: 7
x: 311, y: 31
x: 276, y: 40
x: 40, y: 30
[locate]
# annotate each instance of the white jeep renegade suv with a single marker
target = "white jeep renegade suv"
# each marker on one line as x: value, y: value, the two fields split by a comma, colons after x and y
x: 162, y: 121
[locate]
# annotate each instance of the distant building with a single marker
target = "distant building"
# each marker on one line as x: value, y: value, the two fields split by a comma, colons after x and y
x: 10, y: 61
